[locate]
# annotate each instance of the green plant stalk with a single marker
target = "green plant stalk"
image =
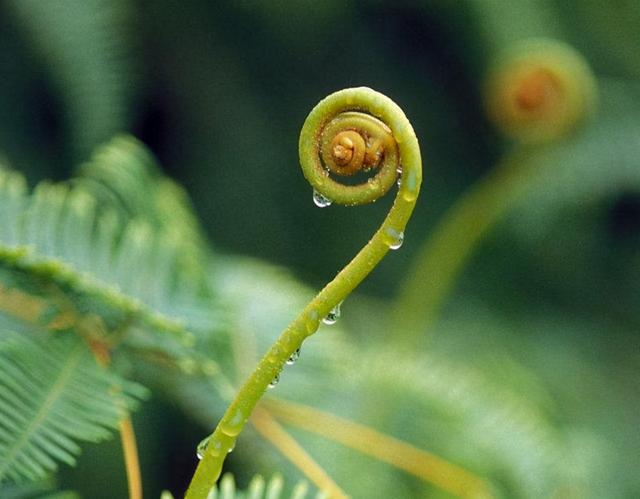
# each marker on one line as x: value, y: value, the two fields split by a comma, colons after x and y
x: 537, y: 91
x: 446, y: 251
x: 360, y: 100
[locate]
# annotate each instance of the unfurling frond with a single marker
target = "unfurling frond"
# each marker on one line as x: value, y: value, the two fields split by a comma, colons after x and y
x: 386, y: 141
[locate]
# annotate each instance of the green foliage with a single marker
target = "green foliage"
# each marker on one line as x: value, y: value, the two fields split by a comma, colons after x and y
x: 86, y: 47
x: 116, y: 175
x: 111, y: 273
x: 466, y: 414
x: 529, y: 378
x: 119, y: 261
x: 53, y: 394
x: 35, y: 490
x: 257, y: 489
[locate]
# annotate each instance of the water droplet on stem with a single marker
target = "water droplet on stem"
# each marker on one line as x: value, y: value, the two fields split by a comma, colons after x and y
x: 293, y: 358
x: 398, y: 243
x: 410, y: 190
x: 393, y: 238
x: 274, y: 381
x: 333, y: 316
x: 233, y: 425
x: 202, y: 447
x: 320, y: 200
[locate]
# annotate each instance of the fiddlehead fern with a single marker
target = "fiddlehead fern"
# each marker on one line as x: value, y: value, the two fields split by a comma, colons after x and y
x: 349, y: 131
x: 539, y: 89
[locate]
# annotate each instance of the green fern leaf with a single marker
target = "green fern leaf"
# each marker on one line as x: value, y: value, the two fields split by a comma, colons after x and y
x: 35, y: 490
x: 57, y: 234
x: 122, y: 169
x: 53, y: 394
x: 257, y: 489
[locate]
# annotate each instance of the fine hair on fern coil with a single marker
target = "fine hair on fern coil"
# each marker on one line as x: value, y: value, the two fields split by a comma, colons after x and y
x: 538, y: 90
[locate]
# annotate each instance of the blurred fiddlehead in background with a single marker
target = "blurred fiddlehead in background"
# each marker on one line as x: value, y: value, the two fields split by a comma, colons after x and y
x: 536, y: 92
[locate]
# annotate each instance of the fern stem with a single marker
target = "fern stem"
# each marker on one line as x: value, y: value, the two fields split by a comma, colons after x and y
x: 426, y: 466
x: 131, y: 461
x: 537, y: 92
x: 271, y: 430
x: 445, y: 252
x: 21, y: 305
x: 102, y: 355
x: 390, y: 144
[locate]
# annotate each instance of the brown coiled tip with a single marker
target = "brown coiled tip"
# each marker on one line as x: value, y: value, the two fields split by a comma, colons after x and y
x: 352, y: 151
x: 348, y: 150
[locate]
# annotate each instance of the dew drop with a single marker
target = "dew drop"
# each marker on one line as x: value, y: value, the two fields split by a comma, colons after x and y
x: 409, y: 196
x: 399, y: 171
x: 211, y: 444
x: 333, y: 316
x: 233, y: 425
x: 410, y: 192
x: 393, y: 238
x: 320, y: 200
x: 398, y: 243
x: 274, y: 381
x: 202, y: 447
x: 294, y: 357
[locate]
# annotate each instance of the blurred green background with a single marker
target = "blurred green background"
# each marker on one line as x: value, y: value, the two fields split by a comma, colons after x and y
x: 218, y: 92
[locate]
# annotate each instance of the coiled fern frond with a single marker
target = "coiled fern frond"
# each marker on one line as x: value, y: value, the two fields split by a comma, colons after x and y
x: 355, y: 130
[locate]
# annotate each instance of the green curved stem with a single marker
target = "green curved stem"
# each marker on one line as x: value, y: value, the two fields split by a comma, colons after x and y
x: 538, y: 90
x: 379, y: 106
x: 445, y: 252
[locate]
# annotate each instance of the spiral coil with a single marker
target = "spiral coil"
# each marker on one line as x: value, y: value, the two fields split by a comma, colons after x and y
x: 353, y: 131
